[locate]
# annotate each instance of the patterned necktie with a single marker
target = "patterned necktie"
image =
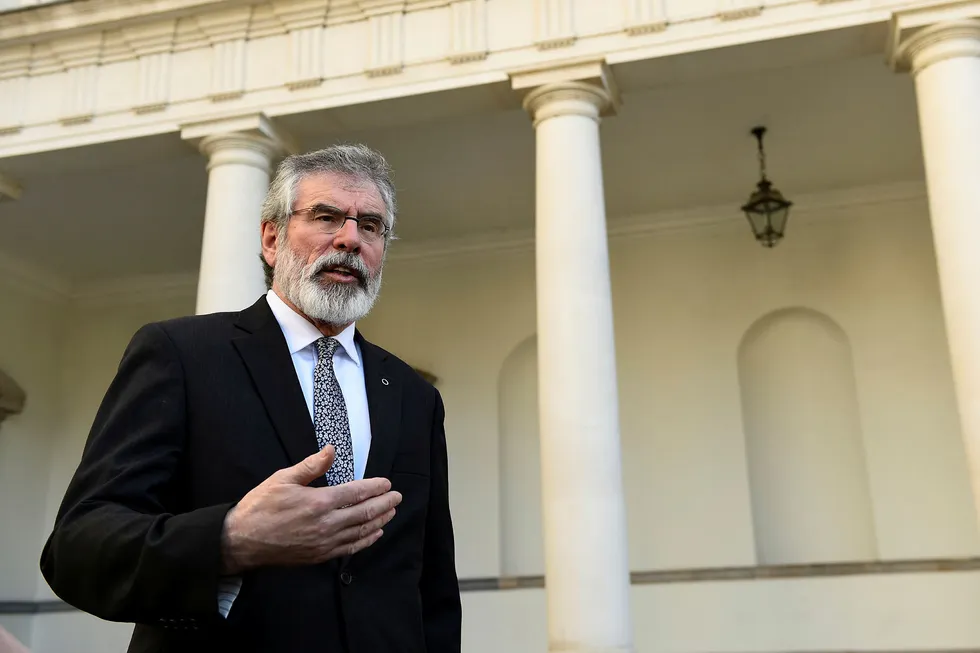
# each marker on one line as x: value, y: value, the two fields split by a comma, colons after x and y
x: 330, y: 414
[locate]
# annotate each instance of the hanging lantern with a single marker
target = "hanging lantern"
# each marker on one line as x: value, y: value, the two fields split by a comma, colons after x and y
x: 767, y: 210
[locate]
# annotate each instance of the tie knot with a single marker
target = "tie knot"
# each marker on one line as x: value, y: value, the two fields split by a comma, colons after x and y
x: 327, y: 346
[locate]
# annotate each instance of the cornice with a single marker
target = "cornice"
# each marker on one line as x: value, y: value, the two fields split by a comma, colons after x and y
x: 225, y: 25
x: 82, y: 50
x: 15, y: 61
x: 150, y: 38
x: 380, y: 7
x: 301, y: 14
x: 157, y: 92
x: 53, y: 22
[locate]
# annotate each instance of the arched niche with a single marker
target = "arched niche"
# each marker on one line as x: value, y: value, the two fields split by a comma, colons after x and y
x: 12, y: 397
x: 807, y: 473
x: 522, y: 551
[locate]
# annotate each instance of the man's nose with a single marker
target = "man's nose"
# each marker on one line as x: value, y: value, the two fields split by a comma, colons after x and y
x: 348, y: 238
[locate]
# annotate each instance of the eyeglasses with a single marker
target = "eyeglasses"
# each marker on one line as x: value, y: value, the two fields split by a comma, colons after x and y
x: 330, y: 220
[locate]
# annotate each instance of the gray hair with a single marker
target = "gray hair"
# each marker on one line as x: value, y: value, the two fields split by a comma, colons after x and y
x: 356, y: 161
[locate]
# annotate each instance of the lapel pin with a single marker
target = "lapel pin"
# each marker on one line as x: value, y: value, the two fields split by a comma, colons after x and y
x: 384, y: 381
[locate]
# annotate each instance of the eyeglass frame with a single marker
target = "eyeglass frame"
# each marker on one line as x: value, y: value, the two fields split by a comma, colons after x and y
x: 385, y: 230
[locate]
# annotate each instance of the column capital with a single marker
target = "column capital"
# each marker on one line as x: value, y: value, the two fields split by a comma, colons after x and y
x: 255, y: 150
x: 915, y: 44
x: 567, y: 99
x: 251, y: 140
x: 585, y: 88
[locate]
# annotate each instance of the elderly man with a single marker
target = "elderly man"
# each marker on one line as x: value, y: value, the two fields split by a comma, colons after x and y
x: 269, y: 480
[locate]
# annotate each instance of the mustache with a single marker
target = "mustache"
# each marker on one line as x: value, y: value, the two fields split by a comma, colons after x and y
x: 345, y: 259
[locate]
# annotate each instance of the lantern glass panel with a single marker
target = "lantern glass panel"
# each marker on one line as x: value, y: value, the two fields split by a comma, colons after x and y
x: 778, y: 219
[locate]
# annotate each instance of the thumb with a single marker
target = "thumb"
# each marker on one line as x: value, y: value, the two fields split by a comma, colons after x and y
x: 303, y: 472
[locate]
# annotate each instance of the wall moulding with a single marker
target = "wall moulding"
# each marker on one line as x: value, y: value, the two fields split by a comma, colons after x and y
x: 24, y: 277
x: 148, y: 288
x: 830, y: 205
x: 667, y: 577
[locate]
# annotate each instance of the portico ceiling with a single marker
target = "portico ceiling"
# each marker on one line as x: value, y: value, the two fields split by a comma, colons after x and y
x: 464, y: 160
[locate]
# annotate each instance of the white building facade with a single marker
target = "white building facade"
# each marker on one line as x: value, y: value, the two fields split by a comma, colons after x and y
x: 663, y: 437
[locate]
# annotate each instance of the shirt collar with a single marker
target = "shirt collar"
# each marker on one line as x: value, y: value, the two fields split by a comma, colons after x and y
x: 300, y: 332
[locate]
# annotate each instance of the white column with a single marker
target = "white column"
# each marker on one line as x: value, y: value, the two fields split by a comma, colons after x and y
x: 239, y: 165
x: 586, y: 565
x: 945, y: 61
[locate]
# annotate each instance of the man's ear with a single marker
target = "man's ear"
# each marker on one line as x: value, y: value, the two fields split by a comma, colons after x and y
x: 270, y: 243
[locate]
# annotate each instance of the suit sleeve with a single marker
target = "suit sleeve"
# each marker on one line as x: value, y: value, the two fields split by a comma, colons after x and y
x: 439, y: 587
x: 118, y: 550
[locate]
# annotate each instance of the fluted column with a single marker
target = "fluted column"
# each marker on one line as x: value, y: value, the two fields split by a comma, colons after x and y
x: 586, y: 565
x: 945, y: 61
x: 240, y: 156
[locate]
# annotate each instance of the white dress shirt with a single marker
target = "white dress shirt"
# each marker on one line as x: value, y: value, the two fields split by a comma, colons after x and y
x: 301, y: 337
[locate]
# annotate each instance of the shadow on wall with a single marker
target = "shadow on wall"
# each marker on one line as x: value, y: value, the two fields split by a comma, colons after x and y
x: 810, y: 497
x: 521, y: 547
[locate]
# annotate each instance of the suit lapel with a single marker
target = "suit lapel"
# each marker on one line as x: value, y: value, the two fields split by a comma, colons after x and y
x: 264, y: 351
x: 384, y: 395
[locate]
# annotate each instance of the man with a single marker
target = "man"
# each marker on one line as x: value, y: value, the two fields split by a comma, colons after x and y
x: 269, y: 480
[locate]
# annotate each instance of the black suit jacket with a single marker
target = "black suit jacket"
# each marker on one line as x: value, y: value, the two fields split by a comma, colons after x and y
x: 202, y: 410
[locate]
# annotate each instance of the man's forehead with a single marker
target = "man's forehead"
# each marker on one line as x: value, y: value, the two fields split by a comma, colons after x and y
x: 333, y: 186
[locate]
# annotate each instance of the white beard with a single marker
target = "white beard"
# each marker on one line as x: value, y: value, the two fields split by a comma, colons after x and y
x: 333, y: 303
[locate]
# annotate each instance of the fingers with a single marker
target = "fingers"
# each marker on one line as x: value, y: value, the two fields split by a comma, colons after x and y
x: 308, y: 469
x: 359, y: 536
x: 369, y: 510
x: 356, y: 492
x: 357, y: 521
x: 362, y: 543
x: 359, y: 532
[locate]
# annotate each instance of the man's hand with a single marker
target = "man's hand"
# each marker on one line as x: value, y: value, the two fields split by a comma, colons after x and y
x: 284, y: 522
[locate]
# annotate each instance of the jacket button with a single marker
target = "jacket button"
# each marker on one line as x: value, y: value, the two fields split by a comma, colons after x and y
x: 345, y: 577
